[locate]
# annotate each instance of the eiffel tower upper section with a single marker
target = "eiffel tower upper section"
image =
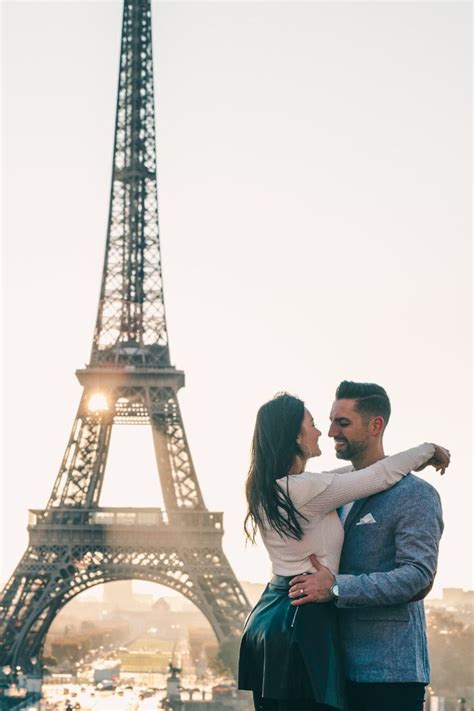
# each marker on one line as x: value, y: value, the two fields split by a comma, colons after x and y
x: 131, y: 324
x: 130, y: 363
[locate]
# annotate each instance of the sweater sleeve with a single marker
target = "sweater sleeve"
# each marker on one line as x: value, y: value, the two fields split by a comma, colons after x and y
x: 346, y: 487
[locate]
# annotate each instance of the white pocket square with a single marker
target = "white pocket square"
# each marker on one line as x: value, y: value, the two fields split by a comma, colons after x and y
x: 368, y: 518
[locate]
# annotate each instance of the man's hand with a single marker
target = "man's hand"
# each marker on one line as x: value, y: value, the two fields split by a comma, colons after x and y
x: 440, y: 460
x: 314, y: 587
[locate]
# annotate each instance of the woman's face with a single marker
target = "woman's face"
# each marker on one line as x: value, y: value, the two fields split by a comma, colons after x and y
x: 309, y: 436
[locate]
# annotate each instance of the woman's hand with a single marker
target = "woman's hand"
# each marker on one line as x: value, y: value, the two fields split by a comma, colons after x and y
x: 440, y: 460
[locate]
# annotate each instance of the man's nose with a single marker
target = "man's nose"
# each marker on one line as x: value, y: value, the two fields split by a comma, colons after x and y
x: 332, y: 431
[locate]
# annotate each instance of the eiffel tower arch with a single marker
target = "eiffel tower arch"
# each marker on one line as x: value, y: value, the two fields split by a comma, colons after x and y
x: 74, y: 543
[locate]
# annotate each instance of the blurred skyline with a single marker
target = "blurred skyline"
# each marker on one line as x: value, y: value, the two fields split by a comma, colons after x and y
x: 314, y: 171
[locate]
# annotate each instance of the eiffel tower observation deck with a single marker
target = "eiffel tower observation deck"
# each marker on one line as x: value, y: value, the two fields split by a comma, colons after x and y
x: 74, y: 543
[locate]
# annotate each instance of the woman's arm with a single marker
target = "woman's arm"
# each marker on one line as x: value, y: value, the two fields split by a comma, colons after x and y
x: 350, y: 486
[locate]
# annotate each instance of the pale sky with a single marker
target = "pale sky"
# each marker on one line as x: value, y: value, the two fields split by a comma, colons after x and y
x: 315, y: 212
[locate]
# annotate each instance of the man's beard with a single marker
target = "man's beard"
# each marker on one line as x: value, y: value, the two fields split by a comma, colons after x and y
x: 351, y: 450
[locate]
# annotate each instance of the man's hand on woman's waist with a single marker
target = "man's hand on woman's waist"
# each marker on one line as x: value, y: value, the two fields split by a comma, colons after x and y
x: 313, y: 587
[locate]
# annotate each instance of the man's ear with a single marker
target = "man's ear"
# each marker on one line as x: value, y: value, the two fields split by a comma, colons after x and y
x: 376, y: 425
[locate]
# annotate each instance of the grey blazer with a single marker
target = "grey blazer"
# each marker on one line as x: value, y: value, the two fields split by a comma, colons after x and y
x: 389, y: 556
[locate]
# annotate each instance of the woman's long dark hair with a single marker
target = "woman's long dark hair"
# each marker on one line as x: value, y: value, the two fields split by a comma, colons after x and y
x: 274, y: 448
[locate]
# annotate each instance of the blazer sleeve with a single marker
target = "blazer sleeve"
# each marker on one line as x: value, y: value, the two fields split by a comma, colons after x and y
x: 418, y: 531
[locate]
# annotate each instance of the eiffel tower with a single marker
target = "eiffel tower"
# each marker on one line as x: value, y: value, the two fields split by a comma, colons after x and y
x: 75, y: 544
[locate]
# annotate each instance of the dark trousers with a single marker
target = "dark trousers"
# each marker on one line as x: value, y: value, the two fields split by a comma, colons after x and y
x: 385, y: 697
x: 286, y: 705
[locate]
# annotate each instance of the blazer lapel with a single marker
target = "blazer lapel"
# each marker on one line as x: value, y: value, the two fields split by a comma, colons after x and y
x: 353, y: 513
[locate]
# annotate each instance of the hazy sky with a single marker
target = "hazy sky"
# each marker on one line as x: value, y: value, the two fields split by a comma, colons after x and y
x: 315, y: 210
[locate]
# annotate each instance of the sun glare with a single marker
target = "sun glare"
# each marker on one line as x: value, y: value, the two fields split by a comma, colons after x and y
x: 98, y: 403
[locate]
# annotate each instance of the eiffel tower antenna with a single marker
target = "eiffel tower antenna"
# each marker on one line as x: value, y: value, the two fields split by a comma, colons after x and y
x: 74, y: 544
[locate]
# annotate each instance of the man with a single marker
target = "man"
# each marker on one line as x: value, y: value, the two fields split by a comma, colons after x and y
x: 388, y: 564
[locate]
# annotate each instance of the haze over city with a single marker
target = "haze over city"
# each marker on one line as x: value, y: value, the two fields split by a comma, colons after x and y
x: 314, y: 191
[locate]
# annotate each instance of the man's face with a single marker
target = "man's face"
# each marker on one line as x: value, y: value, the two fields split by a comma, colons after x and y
x: 350, y: 432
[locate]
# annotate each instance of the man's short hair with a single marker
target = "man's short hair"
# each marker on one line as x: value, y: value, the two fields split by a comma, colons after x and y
x: 371, y: 399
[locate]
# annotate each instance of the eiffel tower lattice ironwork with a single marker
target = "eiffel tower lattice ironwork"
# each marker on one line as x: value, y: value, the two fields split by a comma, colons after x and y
x: 74, y: 543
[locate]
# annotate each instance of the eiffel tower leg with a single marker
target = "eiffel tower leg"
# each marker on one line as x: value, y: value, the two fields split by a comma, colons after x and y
x: 178, y: 478
x: 218, y: 593
x: 80, y: 477
x: 220, y: 596
x: 29, y: 603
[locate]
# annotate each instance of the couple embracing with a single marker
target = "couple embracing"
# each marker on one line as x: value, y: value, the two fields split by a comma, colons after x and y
x: 341, y: 624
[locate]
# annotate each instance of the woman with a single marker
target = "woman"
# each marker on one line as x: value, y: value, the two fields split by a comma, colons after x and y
x: 290, y: 656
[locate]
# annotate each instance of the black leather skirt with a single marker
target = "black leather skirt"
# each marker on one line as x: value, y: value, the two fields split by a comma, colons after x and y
x: 291, y: 652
